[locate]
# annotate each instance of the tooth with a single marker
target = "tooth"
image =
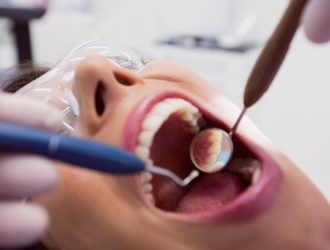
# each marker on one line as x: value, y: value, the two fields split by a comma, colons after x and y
x: 201, y: 122
x: 194, y: 121
x: 213, y: 146
x: 187, y: 116
x: 145, y: 177
x: 146, y: 137
x: 256, y: 175
x: 152, y: 122
x: 194, y: 110
x: 176, y: 103
x: 161, y: 109
x: 194, y: 129
x: 249, y: 162
x: 247, y: 168
x: 211, y: 159
x: 171, y: 102
x: 237, y: 163
x: 142, y: 152
x: 255, y: 163
x: 214, y: 149
x: 149, y: 197
x: 147, y: 187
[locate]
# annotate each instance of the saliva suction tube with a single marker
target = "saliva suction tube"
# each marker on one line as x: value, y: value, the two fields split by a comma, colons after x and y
x: 54, y: 88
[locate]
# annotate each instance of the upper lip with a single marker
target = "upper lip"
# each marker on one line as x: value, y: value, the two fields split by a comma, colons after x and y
x: 254, y: 200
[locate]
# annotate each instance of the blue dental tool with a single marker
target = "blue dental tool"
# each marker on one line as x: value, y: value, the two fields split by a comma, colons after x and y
x: 79, y: 152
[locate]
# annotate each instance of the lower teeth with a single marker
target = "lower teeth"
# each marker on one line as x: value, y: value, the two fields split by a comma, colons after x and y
x: 246, y: 168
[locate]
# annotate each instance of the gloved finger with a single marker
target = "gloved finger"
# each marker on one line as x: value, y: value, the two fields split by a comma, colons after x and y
x: 21, y: 224
x: 317, y: 20
x: 26, y: 175
x: 29, y: 112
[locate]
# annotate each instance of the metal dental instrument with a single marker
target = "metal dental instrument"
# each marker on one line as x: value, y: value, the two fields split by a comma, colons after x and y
x: 271, y: 57
x: 164, y: 172
x: 80, y: 152
x: 261, y: 76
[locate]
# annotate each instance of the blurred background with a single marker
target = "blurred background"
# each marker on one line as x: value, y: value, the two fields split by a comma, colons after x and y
x: 219, y: 39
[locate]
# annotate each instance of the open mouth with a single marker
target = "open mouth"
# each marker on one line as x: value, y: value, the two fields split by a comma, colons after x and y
x: 165, y: 127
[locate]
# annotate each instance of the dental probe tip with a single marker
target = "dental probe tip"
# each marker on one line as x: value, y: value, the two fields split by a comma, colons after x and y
x: 172, y: 176
x: 233, y: 130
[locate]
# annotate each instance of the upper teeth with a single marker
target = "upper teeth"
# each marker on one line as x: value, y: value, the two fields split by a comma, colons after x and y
x: 157, y: 116
x: 152, y: 123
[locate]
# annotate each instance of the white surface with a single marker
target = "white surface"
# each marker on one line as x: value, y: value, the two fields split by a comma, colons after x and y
x: 294, y: 114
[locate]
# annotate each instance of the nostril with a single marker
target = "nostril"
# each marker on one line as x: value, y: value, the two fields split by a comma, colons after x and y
x: 123, y: 79
x: 99, y: 101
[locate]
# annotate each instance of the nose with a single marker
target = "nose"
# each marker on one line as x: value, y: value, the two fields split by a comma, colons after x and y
x: 99, y: 85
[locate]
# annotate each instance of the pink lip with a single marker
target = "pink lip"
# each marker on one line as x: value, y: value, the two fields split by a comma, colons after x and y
x: 253, y: 201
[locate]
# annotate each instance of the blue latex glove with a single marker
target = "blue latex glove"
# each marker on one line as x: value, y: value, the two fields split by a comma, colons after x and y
x: 24, y: 175
x: 317, y: 20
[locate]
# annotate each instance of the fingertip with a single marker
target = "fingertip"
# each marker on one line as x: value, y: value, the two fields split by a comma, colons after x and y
x: 317, y: 21
x: 26, y: 175
x: 21, y: 224
x: 30, y: 112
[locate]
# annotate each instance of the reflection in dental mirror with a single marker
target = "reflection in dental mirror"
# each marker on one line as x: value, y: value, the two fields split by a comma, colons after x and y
x: 211, y: 150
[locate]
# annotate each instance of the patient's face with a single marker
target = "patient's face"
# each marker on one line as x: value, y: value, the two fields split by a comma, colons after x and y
x: 261, y: 201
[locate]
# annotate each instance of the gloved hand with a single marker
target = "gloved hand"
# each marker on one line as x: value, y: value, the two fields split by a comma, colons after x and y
x: 317, y: 20
x: 23, y: 176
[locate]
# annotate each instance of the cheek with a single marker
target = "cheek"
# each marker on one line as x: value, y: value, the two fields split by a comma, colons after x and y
x: 299, y: 188
x: 299, y: 210
x: 88, y: 193
x: 78, y: 192
x: 88, y: 203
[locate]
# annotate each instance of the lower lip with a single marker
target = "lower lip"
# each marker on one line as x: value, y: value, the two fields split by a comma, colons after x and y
x: 256, y: 199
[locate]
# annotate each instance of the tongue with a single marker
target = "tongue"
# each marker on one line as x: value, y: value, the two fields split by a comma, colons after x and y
x: 211, y: 192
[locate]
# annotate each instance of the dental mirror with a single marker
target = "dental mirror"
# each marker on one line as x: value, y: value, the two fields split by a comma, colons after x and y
x: 211, y: 150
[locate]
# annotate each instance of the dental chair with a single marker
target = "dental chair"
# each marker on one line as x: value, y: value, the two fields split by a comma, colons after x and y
x: 21, y: 15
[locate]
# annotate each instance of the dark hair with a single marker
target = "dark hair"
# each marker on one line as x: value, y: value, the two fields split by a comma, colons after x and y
x: 16, y: 77
x: 13, y: 79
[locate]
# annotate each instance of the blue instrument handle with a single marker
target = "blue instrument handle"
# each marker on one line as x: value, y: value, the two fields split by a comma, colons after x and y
x: 79, y: 152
